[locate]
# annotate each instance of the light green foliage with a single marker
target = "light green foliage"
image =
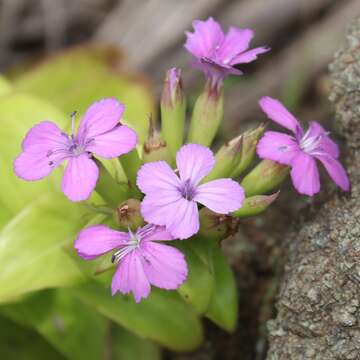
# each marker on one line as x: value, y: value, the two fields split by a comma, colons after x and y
x: 74, y: 79
x: 223, y: 308
x: 18, y: 113
x: 199, y: 286
x: 32, y: 246
x: 163, y: 317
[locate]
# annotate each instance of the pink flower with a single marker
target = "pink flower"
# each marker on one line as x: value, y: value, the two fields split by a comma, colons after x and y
x: 140, y: 260
x: 216, y: 54
x: 172, y: 201
x: 301, y: 150
x: 45, y: 147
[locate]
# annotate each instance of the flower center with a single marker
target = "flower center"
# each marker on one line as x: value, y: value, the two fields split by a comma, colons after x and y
x: 310, y: 143
x: 188, y: 191
x: 132, y: 244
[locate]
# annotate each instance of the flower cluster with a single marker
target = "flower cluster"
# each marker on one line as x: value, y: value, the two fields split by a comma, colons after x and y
x: 172, y: 195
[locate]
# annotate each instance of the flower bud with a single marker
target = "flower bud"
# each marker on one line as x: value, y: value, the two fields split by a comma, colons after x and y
x: 255, y: 205
x: 207, y: 115
x: 216, y: 226
x: 173, y: 110
x: 127, y: 214
x: 248, y: 151
x: 155, y: 148
x: 266, y: 176
x: 227, y: 158
x: 108, y: 188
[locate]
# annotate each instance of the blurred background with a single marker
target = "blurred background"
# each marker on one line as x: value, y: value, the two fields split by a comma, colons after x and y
x: 303, y: 35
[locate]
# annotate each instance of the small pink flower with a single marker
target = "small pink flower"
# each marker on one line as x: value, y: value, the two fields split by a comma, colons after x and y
x: 140, y: 260
x: 216, y: 54
x: 301, y: 150
x: 45, y: 147
x: 172, y: 201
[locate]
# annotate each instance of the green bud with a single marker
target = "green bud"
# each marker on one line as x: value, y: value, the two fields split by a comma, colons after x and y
x: 227, y: 158
x: 207, y: 115
x: 131, y: 163
x: 155, y: 148
x: 127, y: 214
x: 173, y: 110
x: 108, y: 188
x: 248, y: 151
x: 255, y: 205
x: 266, y: 176
x: 216, y: 226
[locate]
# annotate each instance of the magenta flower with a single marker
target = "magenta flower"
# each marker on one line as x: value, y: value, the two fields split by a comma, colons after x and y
x: 172, y: 201
x: 45, y: 147
x: 216, y: 54
x: 301, y: 150
x: 140, y: 260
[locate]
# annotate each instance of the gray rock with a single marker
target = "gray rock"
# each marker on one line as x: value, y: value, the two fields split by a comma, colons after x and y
x: 318, y: 308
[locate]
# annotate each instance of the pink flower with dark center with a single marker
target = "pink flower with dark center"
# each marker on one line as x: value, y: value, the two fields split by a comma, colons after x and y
x: 217, y: 53
x: 172, y: 200
x: 140, y: 260
x: 45, y: 147
x: 301, y: 150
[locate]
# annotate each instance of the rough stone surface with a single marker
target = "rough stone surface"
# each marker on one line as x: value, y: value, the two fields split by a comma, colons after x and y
x: 318, y: 307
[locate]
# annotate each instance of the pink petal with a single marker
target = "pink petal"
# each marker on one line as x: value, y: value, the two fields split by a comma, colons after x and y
x: 327, y: 145
x: 113, y: 143
x: 80, y: 177
x: 277, y: 147
x: 207, y: 35
x: 222, y: 195
x: 97, y: 240
x: 43, y: 137
x: 336, y: 171
x: 157, y: 208
x: 305, y: 174
x: 184, y: 220
x: 157, y: 176
x: 278, y: 113
x: 236, y: 41
x: 34, y: 163
x: 165, y: 266
x: 130, y: 277
x: 194, y: 162
x: 155, y: 233
x: 249, y: 56
x: 100, y: 117
x: 32, y: 167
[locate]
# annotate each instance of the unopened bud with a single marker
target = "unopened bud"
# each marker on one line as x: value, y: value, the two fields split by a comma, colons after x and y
x: 127, y: 214
x: 207, y: 116
x: 255, y: 205
x: 248, y: 151
x: 266, y: 176
x: 173, y: 110
x: 155, y: 148
x: 227, y: 158
x: 216, y: 226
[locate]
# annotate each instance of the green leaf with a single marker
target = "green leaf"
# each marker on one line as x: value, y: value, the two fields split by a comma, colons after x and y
x: 223, y: 308
x: 19, y: 343
x: 73, y: 79
x: 127, y: 346
x: 73, y: 328
x: 18, y: 113
x: 163, y: 317
x: 199, y: 286
x: 32, y: 246
x: 5, y: 86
